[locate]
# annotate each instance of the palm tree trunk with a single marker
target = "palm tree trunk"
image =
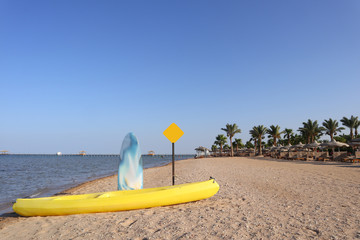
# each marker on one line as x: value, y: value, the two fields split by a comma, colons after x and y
x: 220, y: 149
x: 231, y: 147
x: 260, y: 146
x: 255, y: 147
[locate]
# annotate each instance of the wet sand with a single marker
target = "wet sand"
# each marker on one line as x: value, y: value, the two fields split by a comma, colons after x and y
x: 258, y: 199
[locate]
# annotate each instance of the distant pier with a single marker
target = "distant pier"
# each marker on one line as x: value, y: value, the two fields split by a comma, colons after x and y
x: 75, y: 154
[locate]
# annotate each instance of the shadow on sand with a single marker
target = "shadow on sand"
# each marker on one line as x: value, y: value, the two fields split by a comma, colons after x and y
x: 328, y: 163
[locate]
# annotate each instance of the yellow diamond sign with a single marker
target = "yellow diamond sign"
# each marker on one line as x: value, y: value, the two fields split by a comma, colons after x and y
x: 173, y: 133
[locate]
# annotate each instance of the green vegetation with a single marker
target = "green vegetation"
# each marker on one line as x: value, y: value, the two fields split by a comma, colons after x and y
x: 238, y: 143
x: 332, y: 128
x: 308, y: 133
x: 220, y: 141
x: 231, y: 130
x: 352, y: 123
x: 311, y: 130
x: 274, y: 132
x: 259, y: 132
x: 288, y: 134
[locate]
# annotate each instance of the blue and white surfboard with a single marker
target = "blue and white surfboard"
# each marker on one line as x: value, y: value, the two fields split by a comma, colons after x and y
x: 130, y: 176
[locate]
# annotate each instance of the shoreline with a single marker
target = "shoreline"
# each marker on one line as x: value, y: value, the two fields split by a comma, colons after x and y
x: 79, y: 186
x: 6, y: 207
x: 9, y: 217
x: 258, y: 198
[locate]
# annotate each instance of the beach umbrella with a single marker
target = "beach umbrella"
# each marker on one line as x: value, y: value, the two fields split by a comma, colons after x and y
x: 354, y: 142
x: 306, y: 146
x: 286, y: 147
x: 315, y: 144
x: 334, y: 144
x: 300, y: 145
x: 274, y: 148
x: 201, y: 148
x: 249, y: 149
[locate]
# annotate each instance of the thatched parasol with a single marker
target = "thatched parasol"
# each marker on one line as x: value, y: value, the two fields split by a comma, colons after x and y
x: 354, y: 142
x: 334, y: 144
x: 315, y: 144
x: 300, y: 145
x: 275, y: 148
x: 201, y: 148
x: 285, y: 148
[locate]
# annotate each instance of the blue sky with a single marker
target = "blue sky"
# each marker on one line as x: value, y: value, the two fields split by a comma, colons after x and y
x: 80, y: 75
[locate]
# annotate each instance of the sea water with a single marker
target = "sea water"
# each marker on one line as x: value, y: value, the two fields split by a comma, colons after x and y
x: 44, y: 175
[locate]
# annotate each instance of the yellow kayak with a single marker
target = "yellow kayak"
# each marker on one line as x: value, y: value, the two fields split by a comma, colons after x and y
x: 117, y: 200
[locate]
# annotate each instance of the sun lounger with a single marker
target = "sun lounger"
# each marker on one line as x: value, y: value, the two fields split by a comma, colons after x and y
x: 353, y: 159
x: 292, y: 155
x: 309, y: 156
x: 284, y: 155
x: 339, y: 156
x: 323, y: 156
x: 297, y: 156
x: 302, y: 156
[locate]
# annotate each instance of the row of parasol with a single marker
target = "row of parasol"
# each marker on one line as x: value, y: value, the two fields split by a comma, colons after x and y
x: 331, y: 144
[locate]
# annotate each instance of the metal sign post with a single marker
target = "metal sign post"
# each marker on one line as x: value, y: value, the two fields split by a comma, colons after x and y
x: 173, y: 133
x: 173, y: 163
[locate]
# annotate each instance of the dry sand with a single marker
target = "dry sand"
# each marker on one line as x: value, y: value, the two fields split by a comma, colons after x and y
x: 258, y: 199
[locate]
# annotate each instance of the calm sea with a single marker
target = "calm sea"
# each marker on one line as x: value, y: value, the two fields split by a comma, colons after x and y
x: 45, y: 175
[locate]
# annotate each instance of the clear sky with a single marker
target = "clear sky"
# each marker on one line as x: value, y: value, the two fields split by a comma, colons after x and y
x: 79, y: 75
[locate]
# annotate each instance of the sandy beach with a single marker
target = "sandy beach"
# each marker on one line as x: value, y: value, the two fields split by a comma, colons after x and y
x: 258, y: 199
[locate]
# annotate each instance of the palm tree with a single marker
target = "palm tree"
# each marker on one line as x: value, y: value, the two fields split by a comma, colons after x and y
x: 270, y: 142
x: 255, y: 139
x: 258, y: 132
x: 311, y: 130
x: 288, y: 133
x: 274, y: 132
x: 332, y: 127
x: 238, y: 143
x: 226, y: 147
x: 220, y: 140
x: 351, y: 123
x: 356, y: 128
x: 231, y: 130
x: 296, y: 139
x: 248, y: 144
x: 213, y: 148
